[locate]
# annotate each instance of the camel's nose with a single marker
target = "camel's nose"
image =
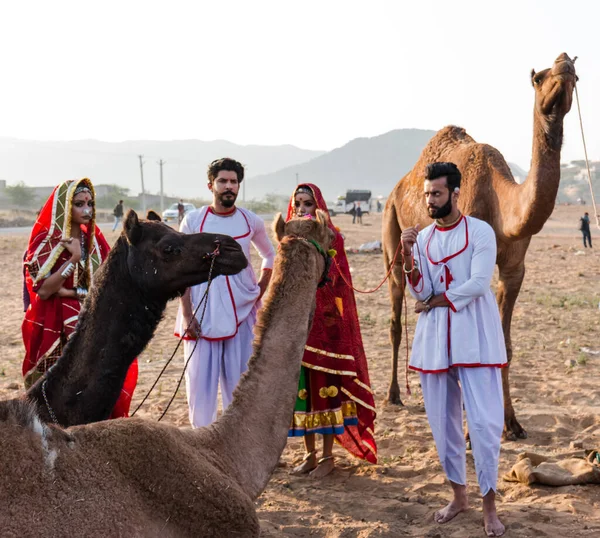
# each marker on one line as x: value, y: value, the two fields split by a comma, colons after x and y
x: 563, y: 65
x: 564, y: 57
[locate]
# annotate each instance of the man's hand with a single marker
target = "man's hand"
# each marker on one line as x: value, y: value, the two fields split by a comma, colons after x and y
x: 265, y: 277
x: 420, y: 307
x: 408, y: 239
x: 193, y: 326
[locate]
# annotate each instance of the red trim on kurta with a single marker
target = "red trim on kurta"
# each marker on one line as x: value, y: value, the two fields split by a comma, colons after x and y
x: 449, y: 301
x: 225, y: 214
x: 210, y: 210
x: 237, y: 323
x: 448, y: 258
x: 448, y: 228
x: 474, y: 365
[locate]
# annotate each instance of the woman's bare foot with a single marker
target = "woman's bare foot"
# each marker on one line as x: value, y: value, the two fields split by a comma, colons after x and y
x: 308, y: 464
x: 326, y: 466
x: 493, y: 526
x: 459, y: 504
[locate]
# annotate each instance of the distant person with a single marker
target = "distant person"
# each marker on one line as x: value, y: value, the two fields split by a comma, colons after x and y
x: 153, y: 215
x: 118, y: 213
x: 378, y: 206
x: 359, y: 213
x: 584, y: 226
x: 180, y: 211
x: 353, y: 213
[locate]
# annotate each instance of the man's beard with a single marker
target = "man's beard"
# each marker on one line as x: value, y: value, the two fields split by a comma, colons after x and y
x: 441, y: 212
x: 227, y: 199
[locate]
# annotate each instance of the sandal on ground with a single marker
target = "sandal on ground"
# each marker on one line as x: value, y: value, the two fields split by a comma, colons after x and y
x: 302, y: 469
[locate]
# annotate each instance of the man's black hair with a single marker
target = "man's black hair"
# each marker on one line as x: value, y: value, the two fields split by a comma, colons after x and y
x: 448, y: 170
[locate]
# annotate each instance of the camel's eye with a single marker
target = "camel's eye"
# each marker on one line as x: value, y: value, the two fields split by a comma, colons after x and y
x: 537, y: 80
x: 168, y: 249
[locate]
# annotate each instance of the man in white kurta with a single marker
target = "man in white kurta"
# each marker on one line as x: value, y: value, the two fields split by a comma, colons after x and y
x: 224, y: 341
x: 459, y: 346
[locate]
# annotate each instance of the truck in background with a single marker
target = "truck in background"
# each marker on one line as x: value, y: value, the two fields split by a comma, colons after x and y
x: 345, y: 204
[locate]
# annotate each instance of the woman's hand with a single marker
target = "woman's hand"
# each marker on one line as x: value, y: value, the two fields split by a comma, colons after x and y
x: 66, y: 292
x: 73, y: 247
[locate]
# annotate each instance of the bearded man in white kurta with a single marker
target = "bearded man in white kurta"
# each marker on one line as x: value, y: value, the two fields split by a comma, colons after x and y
x: 459, y: 346
x: 223, y: 344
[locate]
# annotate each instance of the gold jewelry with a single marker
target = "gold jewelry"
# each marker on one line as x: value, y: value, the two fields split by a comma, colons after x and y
x: 442, y: 225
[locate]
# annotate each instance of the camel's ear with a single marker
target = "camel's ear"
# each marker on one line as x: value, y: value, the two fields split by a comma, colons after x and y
x: 133, y: 230
x: 279, y: 227
x: 321, y: 218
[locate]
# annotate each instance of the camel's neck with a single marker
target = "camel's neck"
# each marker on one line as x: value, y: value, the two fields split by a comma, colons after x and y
x: 113, y: 329
x: 252, y: 433
x: 532, y: 203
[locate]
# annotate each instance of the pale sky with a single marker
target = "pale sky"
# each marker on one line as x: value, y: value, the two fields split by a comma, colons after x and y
x: 315, y: 74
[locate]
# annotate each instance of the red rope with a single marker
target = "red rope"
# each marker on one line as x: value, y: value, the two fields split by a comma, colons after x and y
x: 404, y: 300
x: 381, y: 283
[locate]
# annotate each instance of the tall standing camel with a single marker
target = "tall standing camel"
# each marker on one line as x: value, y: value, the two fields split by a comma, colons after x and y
x: 149, y: 264
x: 139, y: 478
x: 488, y: 192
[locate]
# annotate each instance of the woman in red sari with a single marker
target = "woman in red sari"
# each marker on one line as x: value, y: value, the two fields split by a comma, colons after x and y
x: 334, y: 394
x: 65, y: 249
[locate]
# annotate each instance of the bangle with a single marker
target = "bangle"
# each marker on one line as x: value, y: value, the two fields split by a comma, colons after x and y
x: 81, y: 293
x: 415, y: 265
x: 68, y: 270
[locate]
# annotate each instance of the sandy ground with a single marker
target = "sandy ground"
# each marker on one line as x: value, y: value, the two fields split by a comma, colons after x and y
x: 557, y: 314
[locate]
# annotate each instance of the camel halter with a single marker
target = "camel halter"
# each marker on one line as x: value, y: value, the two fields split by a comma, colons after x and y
x: 204, y: 300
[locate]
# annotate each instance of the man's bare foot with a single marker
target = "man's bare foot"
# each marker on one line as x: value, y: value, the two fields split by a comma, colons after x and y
x: 308, y: 464
x: 326, y: 465
x: 493, y: 526
x: 459, y: 504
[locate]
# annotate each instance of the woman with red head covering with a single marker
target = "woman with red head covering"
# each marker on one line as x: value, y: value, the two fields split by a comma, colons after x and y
x: 334, y: 395
x: 65, y: 249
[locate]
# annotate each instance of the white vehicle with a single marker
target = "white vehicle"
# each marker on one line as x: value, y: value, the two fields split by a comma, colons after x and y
x: 173, y: 213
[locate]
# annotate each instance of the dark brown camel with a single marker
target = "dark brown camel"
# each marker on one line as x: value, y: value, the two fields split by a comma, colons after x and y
x: 139, y: 478
x: 489, y: 192
x: 149, y: 264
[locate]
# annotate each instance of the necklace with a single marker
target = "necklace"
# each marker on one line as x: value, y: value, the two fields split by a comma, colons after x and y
x: 442, y: 225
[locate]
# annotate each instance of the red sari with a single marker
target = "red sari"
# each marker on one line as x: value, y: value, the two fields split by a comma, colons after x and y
x: 49, y: 323
x: 335, y: 395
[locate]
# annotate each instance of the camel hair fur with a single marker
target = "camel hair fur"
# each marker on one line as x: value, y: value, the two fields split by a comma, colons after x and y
x: 149, y: 264
x: 489, y: 192
x: 140, y: 478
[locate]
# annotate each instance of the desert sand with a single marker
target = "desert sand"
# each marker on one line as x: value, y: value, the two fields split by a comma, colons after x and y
x: 555, y: 387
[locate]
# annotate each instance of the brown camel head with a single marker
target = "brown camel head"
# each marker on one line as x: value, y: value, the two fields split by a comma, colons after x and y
x: 315, y: 228
x: 554, y: 88
x: 166, y: 262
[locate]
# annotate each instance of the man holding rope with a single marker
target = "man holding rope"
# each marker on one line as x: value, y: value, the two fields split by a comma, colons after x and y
x: 458, y: 347
x: 220, y: 349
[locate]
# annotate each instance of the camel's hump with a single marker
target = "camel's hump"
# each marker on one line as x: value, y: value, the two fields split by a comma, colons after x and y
x: 452, y: 134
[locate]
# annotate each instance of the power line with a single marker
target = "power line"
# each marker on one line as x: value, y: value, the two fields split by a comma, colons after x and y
x: 162, y: 196
x: 140, y: 157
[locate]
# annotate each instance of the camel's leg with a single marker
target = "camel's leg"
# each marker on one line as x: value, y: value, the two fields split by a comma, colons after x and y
x: 396, y: 298
x: 509, y: 285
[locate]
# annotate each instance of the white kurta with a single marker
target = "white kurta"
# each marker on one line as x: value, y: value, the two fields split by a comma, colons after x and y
x: 458, y: 262
x: 226, y: 342
x: 459, y: 349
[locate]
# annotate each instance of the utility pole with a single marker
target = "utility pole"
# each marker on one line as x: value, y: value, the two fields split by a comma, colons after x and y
x: 162, y: 196
x: 297, y: 180
x: 140, y: 157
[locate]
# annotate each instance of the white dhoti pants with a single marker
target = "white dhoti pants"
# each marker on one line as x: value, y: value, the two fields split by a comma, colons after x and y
x: 226, y: 360
x: 484, y: 405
